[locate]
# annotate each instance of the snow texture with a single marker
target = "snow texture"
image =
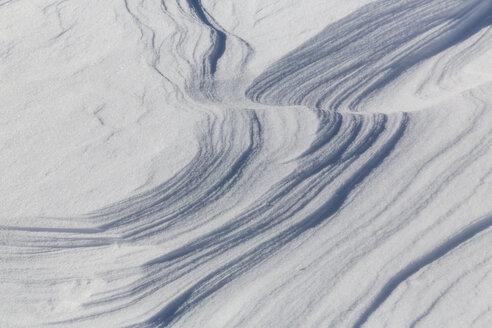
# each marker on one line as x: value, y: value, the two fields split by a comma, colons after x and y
x: 204, y: 163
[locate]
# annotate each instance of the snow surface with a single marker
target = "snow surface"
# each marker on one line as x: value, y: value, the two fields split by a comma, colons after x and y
x: 259, y: 163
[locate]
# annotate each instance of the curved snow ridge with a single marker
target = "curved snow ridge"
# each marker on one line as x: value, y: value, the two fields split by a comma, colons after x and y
x: 352, y: 59
x: 347, y: 148
x: 272, y: 222
x: 380, y: 238
x: 226, y: 147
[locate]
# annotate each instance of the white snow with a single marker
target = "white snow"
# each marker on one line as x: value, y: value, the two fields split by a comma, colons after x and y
x: 204, y: 163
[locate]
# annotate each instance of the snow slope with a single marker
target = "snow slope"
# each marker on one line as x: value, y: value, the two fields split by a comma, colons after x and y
x: 203, y: 163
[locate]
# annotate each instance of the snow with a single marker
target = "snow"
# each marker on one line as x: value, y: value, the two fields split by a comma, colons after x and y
x: 203, y: 163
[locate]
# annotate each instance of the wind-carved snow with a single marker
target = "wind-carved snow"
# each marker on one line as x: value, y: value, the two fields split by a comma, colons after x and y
x: 152, y: 177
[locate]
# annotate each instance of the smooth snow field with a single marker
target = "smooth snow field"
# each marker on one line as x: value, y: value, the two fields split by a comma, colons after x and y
x: 246, y: 163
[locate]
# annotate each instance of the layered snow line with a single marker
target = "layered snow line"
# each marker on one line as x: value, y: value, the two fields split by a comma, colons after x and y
x: 358, y: 55
x: 202, y: 163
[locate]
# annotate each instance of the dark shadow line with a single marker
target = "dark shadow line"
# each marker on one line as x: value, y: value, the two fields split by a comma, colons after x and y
x: 417, y: 265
